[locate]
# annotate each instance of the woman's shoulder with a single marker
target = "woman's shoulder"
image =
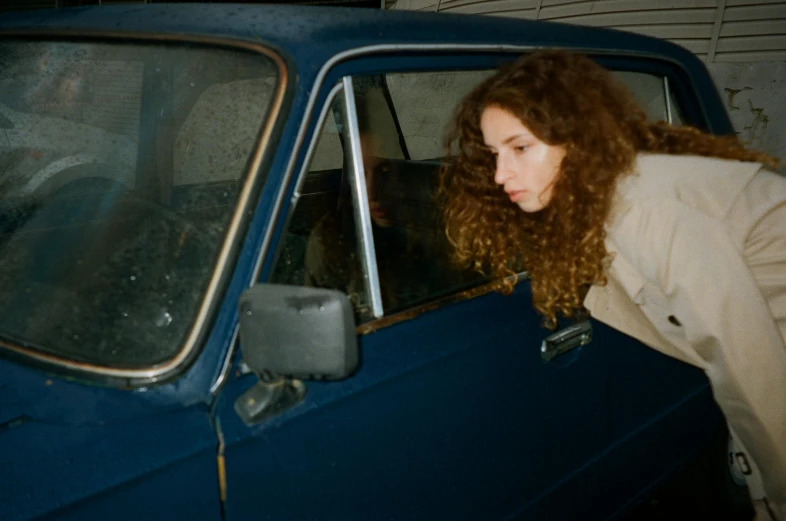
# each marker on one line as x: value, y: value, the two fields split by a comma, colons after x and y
x: 659, y: 163
x: 708, y: 184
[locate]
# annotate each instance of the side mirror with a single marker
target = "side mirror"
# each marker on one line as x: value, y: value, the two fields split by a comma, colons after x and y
x: 298, y: 332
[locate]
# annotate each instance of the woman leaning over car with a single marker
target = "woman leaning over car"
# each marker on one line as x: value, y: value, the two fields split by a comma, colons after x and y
x: 671, y: 235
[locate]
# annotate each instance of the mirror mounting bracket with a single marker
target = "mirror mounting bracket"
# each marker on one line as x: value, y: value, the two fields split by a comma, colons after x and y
x: 270, y: 396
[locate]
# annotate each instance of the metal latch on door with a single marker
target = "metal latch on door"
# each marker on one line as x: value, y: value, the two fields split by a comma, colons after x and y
x: 566, y: 339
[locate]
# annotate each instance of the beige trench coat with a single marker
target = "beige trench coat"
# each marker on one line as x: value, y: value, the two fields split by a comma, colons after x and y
x: 699, y: 273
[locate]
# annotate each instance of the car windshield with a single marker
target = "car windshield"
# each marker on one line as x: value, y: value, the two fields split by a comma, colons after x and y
x: 120, y: 165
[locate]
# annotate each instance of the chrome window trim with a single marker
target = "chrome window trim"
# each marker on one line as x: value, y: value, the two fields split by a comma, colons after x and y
x: 360, y: 195
x: 295, y: 197
x: 479, y: 289
x: 226, y: 364
x: 209, y: 301
x: 667, y: 94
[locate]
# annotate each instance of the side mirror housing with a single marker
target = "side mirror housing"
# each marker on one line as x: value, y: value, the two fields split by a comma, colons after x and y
x: 298, y: 332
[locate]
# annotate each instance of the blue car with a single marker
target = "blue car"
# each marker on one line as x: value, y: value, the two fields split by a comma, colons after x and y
x: 226, y: 294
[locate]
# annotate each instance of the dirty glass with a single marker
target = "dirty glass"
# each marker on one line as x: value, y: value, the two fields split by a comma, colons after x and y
x: 320, y: 247
x: 120, y: 166
x: 424, y: 104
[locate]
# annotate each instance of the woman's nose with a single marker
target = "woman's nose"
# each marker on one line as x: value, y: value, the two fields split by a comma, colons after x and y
x: 501, y: 173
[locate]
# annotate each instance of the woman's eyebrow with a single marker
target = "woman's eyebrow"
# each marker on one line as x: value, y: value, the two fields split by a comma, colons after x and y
x: 514, y: 137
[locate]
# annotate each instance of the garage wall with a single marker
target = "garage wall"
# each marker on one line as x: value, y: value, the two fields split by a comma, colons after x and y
x: 743, y: 43
x: 755, y: 94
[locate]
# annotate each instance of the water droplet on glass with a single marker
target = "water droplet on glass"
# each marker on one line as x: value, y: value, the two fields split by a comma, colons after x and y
x: 76, y: 337
x: 192, y: 84
x: 248, y: 313
x: 164, y: 319
x: 132, y: 277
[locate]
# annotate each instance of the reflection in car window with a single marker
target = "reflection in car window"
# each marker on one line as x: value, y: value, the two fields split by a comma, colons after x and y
x: 320, y: 247
x: 119, y: 169
x: 409, y: 239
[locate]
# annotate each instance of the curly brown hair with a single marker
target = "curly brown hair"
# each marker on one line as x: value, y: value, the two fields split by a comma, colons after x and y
x: 564, y: 99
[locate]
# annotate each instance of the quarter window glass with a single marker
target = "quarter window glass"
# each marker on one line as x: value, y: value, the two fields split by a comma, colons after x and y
x: 321, y: 247
x: 120, y: 166
x: 328, y: 154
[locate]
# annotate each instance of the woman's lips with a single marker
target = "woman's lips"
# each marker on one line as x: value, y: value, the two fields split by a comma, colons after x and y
x: 376, y: 211
x: 517, y: 195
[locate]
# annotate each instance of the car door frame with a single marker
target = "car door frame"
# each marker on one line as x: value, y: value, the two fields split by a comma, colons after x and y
x: 240, y: 468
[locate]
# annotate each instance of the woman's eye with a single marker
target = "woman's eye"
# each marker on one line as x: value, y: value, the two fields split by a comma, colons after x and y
x: 520, y: 148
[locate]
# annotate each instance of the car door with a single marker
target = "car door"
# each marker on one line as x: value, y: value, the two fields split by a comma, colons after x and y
x: 453, y: 413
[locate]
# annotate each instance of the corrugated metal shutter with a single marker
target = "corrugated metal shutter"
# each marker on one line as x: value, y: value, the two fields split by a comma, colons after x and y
x: 752, y: 31
x: 715, y: 30
x: 688, y: 23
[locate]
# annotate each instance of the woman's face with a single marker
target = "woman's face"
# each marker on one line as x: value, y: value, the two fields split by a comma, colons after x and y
x: 526, y: 167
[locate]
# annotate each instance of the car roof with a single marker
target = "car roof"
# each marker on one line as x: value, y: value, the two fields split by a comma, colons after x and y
x: 333, y: 30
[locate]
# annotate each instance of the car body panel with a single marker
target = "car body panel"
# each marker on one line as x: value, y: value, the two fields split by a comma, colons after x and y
x: 412, y: 417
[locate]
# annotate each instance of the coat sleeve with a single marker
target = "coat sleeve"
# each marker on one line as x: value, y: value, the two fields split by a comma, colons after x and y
x: 712, y: 305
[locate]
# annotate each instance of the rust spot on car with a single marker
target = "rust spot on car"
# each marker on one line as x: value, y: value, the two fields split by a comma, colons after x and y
x: 386, y: 321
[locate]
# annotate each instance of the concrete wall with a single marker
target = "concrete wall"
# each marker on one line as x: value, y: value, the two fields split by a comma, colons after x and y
x: 755, y: 95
